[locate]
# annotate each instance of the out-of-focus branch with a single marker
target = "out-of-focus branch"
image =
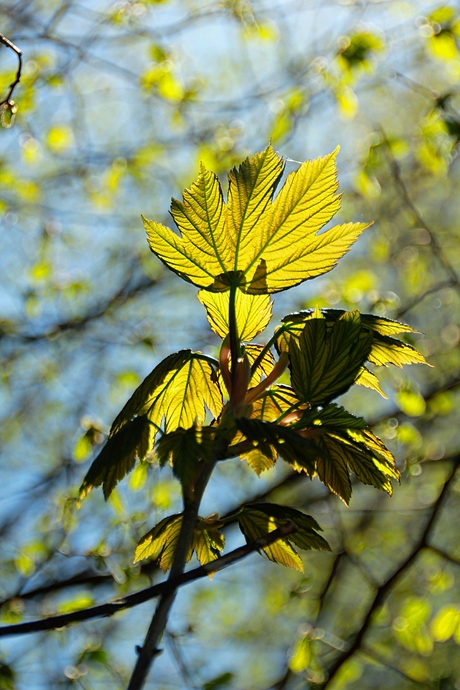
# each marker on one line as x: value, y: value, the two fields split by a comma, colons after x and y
x: 383, y: 591
x: 6, y: 42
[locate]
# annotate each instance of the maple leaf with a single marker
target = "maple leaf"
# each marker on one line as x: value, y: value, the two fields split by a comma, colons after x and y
x: 255, y: 242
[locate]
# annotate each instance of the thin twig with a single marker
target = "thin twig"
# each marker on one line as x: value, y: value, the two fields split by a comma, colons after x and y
x: 6, y: 42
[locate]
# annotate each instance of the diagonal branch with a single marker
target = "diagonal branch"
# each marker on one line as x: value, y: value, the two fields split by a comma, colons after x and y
x: 384, y: 590
x: 6, y: 42
x: 131, y: 600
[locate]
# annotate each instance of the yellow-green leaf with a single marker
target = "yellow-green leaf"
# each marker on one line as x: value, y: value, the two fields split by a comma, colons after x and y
x: 177, y: 391
x: 301, y: 655
x: 161, y: 542
x: 446, y: 622
x: 253, y: 312
x: 325, y: 361
x: 256, y: 243
x: 259, y: 519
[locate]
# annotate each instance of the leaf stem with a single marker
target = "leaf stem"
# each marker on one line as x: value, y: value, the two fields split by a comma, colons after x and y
x: 233, y: 331
x: 257, y: 362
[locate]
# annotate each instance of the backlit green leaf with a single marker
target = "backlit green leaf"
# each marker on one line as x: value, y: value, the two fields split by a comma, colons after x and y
x: 177, y: 391
x: 253, y: 312
x: 288, y: 444
x: 384, y: 350
x: 256, y: 243
x: 176, y: 394
x: 259, y: 519
x: 325, y: 361
x: 160, y: 543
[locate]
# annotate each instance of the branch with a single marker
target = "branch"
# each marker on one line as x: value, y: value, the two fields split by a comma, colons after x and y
x: 110, y: 608
x: 382, y: 591
x: 6, y: 42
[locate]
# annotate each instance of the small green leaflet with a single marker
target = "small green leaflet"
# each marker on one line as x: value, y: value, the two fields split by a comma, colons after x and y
x: 384, y: 351
x: 259, y: 244
x: 176, y: 394
x: 185, y: 449
x: 160, y: 543
x: 253, y: 313
x: 259, y: 519
x: 324, y: 361
x: 118, y: 456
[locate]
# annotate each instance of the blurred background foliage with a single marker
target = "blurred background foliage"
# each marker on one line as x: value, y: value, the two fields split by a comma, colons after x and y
x: 117, y: 104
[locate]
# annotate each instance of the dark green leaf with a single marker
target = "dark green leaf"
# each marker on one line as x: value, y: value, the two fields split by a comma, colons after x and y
x: 325, y: 360
x: 185, y: 449
x: 288, y: 444
x: 258, y: 519
x: 118, y: 456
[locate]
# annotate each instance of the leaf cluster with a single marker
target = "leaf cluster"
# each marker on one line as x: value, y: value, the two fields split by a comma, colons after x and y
x: 193, y: 410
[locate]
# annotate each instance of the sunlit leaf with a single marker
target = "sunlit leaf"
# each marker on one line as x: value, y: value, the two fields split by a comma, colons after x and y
x: 176, y: 394
x: 368, y: 379
x: 256, y: 243
x: 160, y: 543
x: 259, y: 519
x: 253, y: 312
x: 289, y: 445
x: 301, y: 655
x: 178, y: 390
x: 384, y: 349
x: 325, y: 361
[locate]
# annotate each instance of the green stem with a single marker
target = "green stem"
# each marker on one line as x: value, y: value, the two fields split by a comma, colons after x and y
x: 233, y: 331
x: 160, y: 618
x: 267, y: 348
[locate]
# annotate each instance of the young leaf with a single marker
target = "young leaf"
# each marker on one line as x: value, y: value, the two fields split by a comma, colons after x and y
x: 186, y: 449
x: 288, y: 444
x: 385, y: 350
x: 208, y: 542
x: 325, y: 361
x: 253, y: 312
x: 259, y: 519
x: 368, y: 379
x: 344, y: 443
x: 257, y: 244
x: 160, y: 543
x: 118, y: 456
x: 178, y: 390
